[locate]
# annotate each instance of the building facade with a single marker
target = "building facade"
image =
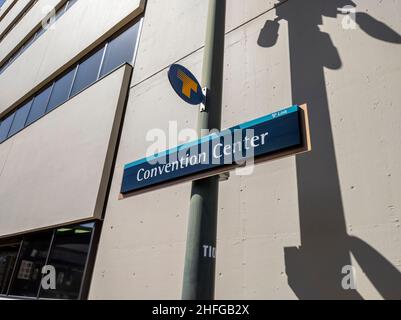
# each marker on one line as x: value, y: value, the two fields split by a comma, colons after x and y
x: 83, y: 83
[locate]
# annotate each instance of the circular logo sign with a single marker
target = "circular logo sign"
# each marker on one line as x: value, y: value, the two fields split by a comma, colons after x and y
x: 185, y: 84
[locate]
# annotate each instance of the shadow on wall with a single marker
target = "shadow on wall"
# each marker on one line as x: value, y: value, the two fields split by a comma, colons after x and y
x: 314, y: 269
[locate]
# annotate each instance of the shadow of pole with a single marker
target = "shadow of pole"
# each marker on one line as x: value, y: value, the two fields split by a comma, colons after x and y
x: 314, y: 269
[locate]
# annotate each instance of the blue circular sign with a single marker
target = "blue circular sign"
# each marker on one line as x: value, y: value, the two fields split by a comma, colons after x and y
x: 185, y: 84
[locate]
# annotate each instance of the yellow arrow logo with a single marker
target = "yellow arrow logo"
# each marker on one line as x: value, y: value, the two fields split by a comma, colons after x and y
x: 188, y: 84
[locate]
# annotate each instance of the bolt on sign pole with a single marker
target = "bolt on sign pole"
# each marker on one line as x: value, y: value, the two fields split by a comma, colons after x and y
x: 200, y: 260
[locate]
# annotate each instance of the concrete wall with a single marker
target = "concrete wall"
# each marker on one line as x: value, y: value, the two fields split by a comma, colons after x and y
x: 289, y: 229
x: 14, y: 12
x: 56, y: 171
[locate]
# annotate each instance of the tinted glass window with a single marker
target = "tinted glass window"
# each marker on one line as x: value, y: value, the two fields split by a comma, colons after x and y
x: 68, y: 257
x: 5, y: 127
x: 39, y: 106
x: 20, y: 118
x: 87, y: 72
x: 28, y: 274
x: 61, y: 91
x: 8, y: 255
x: 121, y: 49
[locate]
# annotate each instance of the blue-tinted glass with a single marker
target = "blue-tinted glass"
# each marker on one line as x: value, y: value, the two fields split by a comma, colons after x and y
x: 120, y: 50
x: 39, y: 105
x: 20, y: 118
x: 5, y: 127
x: 87, y: 72
x: 61, y: 90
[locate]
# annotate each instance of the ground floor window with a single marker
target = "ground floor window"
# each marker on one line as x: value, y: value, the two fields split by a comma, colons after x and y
x: 8, y: 255
x: 46, y: 265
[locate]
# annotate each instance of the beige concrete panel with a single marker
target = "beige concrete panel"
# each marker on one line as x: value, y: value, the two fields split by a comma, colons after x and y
x: 145, y: 232
x: 365, y: 126
x: 178, y: 28
x: 243, y: 274
x: 375, y: 278
x: 347, y: 182
x: 258, y: 213
x: 256, y: 80
x: 55, y: 166
x: 25, y: 26
x: 12, y: 14
x: 152, y: 105
x: 76, y: 33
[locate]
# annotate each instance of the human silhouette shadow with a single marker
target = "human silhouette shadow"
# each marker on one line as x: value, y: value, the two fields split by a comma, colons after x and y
x: 314, y: 269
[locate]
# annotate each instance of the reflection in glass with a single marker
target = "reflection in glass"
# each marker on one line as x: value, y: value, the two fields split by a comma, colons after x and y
x: 28, y: 274
x: 61, y: 90
x: 120, y: 50
x: 8, y: 254
x: 39, y: 105
x: 68, y: 256
x: 87, y: 72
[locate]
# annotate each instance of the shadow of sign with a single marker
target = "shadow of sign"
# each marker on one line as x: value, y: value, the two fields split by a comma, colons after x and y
x: 314, y: 268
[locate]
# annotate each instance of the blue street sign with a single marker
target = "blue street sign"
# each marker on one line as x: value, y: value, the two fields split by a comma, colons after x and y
x: 278, y: 134
x: 185, y: 84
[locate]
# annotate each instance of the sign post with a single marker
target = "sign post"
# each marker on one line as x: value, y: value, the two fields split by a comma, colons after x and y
x: 200, y: 259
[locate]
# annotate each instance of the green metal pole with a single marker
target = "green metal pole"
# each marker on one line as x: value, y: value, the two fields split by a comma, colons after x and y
x: 200, y: 260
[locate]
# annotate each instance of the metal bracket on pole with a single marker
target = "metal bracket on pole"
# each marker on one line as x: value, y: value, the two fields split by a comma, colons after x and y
x: 224, y: 176
x: 202, y: 107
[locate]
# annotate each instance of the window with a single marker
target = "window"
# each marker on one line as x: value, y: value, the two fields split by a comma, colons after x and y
x: 120, y: 50
x: 66, y: 249
x: 2, y: 2
x: 36, y: 33
x: 17, y: 19
x: 39, y: 106
x: 68, y: 256
x: 61, y: 90
x: 28, y: 273
x: 5, y: 127
x: 87, y: 72
x: 8, y: 255
x: 20, y: 118
x: 112, y: 54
